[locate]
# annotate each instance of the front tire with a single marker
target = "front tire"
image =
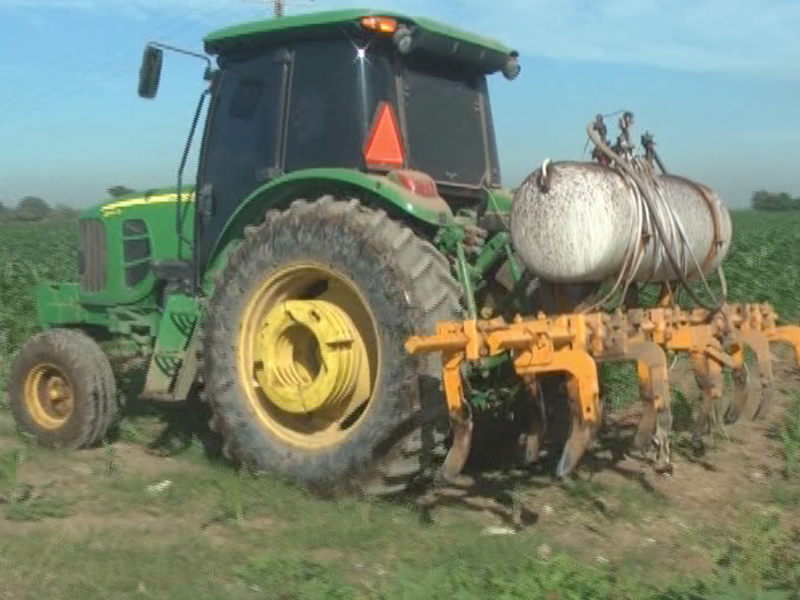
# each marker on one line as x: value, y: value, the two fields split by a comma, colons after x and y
x: 62, y: 390
x: 305, y: 366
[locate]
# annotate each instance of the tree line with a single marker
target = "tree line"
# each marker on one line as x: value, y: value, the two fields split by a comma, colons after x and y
x: 764, y: 200
x: 31, y: 209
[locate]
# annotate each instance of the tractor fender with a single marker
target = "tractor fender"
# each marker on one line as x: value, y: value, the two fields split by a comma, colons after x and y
x: 312, y: 183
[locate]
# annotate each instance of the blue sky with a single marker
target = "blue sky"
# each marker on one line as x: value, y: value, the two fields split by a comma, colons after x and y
x: 717, y: 82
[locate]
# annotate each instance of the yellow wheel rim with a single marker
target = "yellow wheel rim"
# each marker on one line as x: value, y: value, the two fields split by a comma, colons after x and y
x: 308, y: 355
x: 48, y: 396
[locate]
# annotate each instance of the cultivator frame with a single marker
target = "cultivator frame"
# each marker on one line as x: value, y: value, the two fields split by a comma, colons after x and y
x: 574, y: 344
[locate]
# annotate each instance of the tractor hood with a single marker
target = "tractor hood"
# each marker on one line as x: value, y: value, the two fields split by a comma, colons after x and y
x: 424, y: 36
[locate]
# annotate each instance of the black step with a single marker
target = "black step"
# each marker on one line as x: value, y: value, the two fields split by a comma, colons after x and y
x: 173, y: 270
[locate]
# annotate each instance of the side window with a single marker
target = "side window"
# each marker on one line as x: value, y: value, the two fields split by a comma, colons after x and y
x: 241, y: 145
x: 135, y: 251
x: 246, y: 98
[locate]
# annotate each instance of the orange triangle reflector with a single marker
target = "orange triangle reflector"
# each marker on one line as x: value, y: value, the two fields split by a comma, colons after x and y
x: 384, y: 148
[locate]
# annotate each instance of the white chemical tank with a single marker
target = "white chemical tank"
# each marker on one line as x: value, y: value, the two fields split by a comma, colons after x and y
x: 575, y: 224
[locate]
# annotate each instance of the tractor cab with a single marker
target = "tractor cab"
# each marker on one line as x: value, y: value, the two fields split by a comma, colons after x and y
x: 367, y: 92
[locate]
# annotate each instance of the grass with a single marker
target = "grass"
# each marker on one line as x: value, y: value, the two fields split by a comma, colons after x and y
x: 762, y: 556
x: 230, y: 535
x: 38, y: 509
x: 120, y: 522
x: 9, y: 474
x: 295, y: 577
x: 790, y: 442
x: 216, y: 533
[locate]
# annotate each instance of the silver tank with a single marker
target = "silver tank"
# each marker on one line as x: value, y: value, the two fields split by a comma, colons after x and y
x: 577, y: 227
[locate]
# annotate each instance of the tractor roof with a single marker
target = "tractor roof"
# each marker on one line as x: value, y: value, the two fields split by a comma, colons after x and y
x: 289, y: 28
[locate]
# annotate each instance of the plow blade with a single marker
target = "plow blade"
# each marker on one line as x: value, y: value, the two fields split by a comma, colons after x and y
x: 740, y: 387
x: 538, y: 426
x: 574, y: 345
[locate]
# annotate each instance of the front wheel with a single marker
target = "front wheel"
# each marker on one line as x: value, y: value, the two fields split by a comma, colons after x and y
x: 62, y: 390
x: 305, y: 365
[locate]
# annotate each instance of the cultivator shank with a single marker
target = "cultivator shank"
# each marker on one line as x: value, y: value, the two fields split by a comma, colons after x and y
x: 574, y: 344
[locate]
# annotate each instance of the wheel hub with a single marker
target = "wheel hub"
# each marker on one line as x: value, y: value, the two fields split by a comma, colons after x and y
x: 311, y: 355
x: 48, y: 396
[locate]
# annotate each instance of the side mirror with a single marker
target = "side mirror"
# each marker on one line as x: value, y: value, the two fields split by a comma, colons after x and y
x: 150, y: 72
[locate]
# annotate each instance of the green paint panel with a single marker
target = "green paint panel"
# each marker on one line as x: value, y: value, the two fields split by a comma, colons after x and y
x: 175, y: 328
x: 59, y: 304
x: 338, y: 17
x: 312, y: 183
x: 133, y: 224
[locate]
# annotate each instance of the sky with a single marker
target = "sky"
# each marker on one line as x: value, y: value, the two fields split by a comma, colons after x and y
x: 716, y: 81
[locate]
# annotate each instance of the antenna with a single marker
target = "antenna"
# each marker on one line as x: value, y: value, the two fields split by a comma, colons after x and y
x: 279, y: 6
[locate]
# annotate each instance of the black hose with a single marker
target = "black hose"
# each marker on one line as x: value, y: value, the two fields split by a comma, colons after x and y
x: 646, y: 196
x: 180, y: 213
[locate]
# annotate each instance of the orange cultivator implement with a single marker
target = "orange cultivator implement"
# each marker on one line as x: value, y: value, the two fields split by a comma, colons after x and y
x: 574, y: 344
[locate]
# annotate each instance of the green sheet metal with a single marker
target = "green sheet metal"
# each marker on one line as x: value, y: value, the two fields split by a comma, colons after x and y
x: 321, y: 19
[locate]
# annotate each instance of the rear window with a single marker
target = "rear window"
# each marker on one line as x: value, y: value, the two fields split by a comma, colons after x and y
x: 448, y: 122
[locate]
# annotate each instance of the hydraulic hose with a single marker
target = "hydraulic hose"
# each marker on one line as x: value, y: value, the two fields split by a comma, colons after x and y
x: 645, y: 194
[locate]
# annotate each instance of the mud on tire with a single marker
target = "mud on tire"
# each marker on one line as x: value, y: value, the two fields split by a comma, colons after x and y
x: 47, y: 362
x: 407, y: 284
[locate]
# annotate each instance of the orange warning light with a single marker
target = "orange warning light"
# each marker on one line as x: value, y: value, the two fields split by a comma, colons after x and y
x: 385, y: 25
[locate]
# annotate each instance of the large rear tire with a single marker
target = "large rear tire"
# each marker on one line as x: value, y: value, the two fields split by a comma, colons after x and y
x: 304, y: 361
x: 62, y: 390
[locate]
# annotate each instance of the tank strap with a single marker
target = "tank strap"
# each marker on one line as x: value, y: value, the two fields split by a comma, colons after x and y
x: 716, y: 218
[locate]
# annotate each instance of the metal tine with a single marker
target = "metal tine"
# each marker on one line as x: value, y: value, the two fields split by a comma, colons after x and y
x: 787, y: 334
x: 760, y: 346
x: 709, y: 377
x: 582, y: 434
x: 461, y: 426
x: 576, y: 344
x: 656, y: 422
x: 538, y: 427
x: 740, y: 387
x: 647, y: 424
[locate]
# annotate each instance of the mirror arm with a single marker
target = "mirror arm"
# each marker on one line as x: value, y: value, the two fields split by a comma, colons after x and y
x: 209, y: 65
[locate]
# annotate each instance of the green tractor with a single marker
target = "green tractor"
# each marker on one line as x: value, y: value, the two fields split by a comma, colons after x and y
x: 348, y: 197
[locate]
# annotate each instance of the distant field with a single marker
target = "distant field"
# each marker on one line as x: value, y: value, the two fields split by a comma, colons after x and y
x: 763, y: 266
x: 31, y: 253
x: 88, y: 525
x: 764, y: 262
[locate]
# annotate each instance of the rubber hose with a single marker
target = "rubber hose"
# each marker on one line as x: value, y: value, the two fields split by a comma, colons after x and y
x: 670, y: 256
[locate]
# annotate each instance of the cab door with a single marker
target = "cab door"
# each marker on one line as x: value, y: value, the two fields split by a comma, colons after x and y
x: 243, y: 143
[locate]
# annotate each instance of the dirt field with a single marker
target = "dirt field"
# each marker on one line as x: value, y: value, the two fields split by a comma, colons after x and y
x: 159, y: 515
